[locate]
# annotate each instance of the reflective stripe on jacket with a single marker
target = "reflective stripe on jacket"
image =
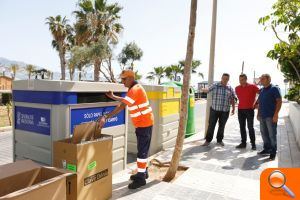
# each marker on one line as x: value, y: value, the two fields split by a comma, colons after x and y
x: 139, y: 107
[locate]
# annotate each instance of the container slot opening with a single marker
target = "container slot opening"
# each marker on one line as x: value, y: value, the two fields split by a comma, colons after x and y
x: 94, y: 97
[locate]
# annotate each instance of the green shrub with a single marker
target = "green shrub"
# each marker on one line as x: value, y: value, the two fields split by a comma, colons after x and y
x: 294, y: 94
x: 6, y: 98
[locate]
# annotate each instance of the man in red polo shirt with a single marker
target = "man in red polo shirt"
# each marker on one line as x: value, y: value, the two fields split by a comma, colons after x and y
x: 246, y: 94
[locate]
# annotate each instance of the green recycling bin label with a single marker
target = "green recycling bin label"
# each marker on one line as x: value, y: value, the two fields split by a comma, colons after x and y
x: 72, y: 167
x: 92, y: 165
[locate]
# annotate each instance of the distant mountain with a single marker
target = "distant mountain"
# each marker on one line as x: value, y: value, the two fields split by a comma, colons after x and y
x: 22, y: 74
x: 6, y: 62
x: 5, y: 67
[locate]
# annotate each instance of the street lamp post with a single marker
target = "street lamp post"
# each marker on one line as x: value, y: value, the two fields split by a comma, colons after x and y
x: 211, y: 59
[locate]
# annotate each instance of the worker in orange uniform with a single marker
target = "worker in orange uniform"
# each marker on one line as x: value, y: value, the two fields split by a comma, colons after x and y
x: 142, y: 118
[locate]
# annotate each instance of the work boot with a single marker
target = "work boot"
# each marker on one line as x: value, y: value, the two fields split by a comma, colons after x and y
x: 241, y: 146
x: 134, y: 176
x: 137, y: 183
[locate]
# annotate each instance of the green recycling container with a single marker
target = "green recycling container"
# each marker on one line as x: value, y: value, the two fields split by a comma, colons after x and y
x: 190, y: 126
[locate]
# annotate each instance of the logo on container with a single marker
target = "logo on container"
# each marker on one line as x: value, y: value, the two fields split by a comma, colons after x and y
x: 43, y: 122
x: 18, y: 118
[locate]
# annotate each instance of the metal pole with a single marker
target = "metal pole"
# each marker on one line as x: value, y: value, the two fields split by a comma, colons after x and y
x: 243, y: 67
x: 211, y: 60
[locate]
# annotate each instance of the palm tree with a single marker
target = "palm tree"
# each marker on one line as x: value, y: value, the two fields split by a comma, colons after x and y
x: 195, y: 65
x: 97, y: 21
x: 184, y: 95
x: 130, y: 53
x: 151, y: 79
x: 173, y: 71
x: 61, y: 31
x: 29, y: 69
x: 158, y: 73
x: 14, y: 68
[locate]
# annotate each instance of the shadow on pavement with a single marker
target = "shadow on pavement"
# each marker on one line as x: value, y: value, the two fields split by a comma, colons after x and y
x: 238, y: 158
x: 121, y: 189
x: 249, y: 163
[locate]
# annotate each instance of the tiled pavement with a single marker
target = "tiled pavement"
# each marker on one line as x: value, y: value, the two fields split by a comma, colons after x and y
x: 214, y: 172
x: 218, y: 172
x: 5, y: 147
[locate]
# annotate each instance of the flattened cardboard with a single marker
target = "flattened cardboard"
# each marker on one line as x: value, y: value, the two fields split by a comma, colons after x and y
x: 93, y: 163
x: 85, y: 132
x: 28, y: 180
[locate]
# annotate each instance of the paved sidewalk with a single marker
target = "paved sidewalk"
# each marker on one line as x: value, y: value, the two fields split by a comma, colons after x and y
x: 6, y: 155
x: 218, y: 172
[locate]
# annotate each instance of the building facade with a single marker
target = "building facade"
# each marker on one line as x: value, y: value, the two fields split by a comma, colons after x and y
x: 5, y: 83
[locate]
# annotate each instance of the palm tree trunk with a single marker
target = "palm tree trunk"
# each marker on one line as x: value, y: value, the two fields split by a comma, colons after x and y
x: 97, y: 64
x: 79, y: 67
x: 71, y: 74
x: 79, y: 76
x: 111, y: 72
x: 184, y: 95
x: 62, y: 63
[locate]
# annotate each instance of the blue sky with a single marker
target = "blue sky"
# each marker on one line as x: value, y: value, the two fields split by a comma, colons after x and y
x: 159, y: 27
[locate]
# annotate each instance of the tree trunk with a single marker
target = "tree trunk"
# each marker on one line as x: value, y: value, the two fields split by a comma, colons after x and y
x: 111, y: 72
x: 97, y: 64
x: 79, y: 67
x: 71, y: 75
x: 295, y: 68
x: 105, y: 76
x: 62, y: 63
x: 79, y: 78
x: 184, y: 95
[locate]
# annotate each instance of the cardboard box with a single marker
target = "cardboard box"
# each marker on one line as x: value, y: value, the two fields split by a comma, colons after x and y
x: 92, y: 162
x: 28, y: 180
x: 86, y: 132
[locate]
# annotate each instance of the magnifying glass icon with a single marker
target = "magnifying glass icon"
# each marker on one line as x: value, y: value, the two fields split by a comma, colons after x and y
x: 277, y: 180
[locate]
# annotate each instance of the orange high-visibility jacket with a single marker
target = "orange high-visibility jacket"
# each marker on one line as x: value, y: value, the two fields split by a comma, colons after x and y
x: 139, y: 107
